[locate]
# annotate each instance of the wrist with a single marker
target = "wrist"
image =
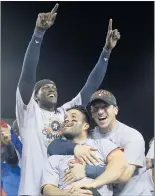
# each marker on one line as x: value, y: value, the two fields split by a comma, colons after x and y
x: 107, y: 48
x: 96, y: 183
x: 39, y: 32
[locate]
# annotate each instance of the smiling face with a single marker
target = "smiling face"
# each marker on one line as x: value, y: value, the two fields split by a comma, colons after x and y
x: 103, y: 114
x: 74, y: 124
x: 47, y: 95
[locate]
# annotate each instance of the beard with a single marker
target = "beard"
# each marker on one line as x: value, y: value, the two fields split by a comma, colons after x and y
x: 72, y: 134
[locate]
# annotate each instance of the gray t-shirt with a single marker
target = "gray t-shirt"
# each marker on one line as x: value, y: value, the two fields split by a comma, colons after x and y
x: 57, y: 165
x: 134, y: 147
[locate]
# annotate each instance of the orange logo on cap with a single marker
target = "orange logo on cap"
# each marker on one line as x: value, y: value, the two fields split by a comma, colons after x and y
x: 102, y: 93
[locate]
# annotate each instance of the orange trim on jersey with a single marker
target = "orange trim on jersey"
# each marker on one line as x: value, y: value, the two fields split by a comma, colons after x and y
x: 119, y: 148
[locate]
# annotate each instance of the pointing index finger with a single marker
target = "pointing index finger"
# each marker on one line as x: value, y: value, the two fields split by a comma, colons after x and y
x: 55, y: 8
x: 110, y: 25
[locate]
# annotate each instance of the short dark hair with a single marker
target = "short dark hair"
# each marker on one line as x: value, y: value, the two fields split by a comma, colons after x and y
x: 83, y: 110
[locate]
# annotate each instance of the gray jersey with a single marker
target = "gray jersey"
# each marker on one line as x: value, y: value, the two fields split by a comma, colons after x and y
x: 134, y: 147
x: 57, y: 165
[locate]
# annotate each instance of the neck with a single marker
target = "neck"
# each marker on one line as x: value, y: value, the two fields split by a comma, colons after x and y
x: 108, y: 129
x: 45, y: 107
x: 80, y: 138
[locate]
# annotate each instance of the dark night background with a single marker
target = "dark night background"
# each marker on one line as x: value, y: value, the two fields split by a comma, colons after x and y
x: 72, y: 46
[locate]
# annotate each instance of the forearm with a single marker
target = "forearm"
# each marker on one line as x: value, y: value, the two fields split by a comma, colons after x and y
x: 28, y: 75
x: 50, y: 190
x: 112, y: 173
x: 96, y: 77
x: 127, y: 174
x: 61, y: 147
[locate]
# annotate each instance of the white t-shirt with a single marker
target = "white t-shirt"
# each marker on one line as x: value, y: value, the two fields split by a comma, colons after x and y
x: 57, y: 166
x: 134, y: 148
x: 150, y: 153
x: 37, y: 129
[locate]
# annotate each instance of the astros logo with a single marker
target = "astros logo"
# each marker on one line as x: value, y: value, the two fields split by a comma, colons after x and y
x: 54, y: 125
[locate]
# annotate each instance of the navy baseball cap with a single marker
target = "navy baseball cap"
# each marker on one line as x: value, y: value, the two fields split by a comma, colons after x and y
x: 41, y: 83
x: 103, y: 95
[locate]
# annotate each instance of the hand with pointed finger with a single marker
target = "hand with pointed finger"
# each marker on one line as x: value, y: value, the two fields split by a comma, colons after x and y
x: 46, y: 20
x: 86, y: 154
x: 76, y: 172
x: 112, y: 37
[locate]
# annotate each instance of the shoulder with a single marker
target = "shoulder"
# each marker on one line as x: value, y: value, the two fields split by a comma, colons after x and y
x: 103, y: 142
x: 129, y: 133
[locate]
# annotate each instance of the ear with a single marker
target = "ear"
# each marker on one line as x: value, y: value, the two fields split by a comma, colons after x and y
x: 86, y: 126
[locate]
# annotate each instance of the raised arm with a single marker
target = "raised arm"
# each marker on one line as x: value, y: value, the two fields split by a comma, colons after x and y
x: 97, y: 75
x: 28, y: 75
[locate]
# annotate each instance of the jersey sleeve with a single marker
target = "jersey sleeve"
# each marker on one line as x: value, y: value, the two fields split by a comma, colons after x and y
x: 134, y: 149
x: 106, y: 147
